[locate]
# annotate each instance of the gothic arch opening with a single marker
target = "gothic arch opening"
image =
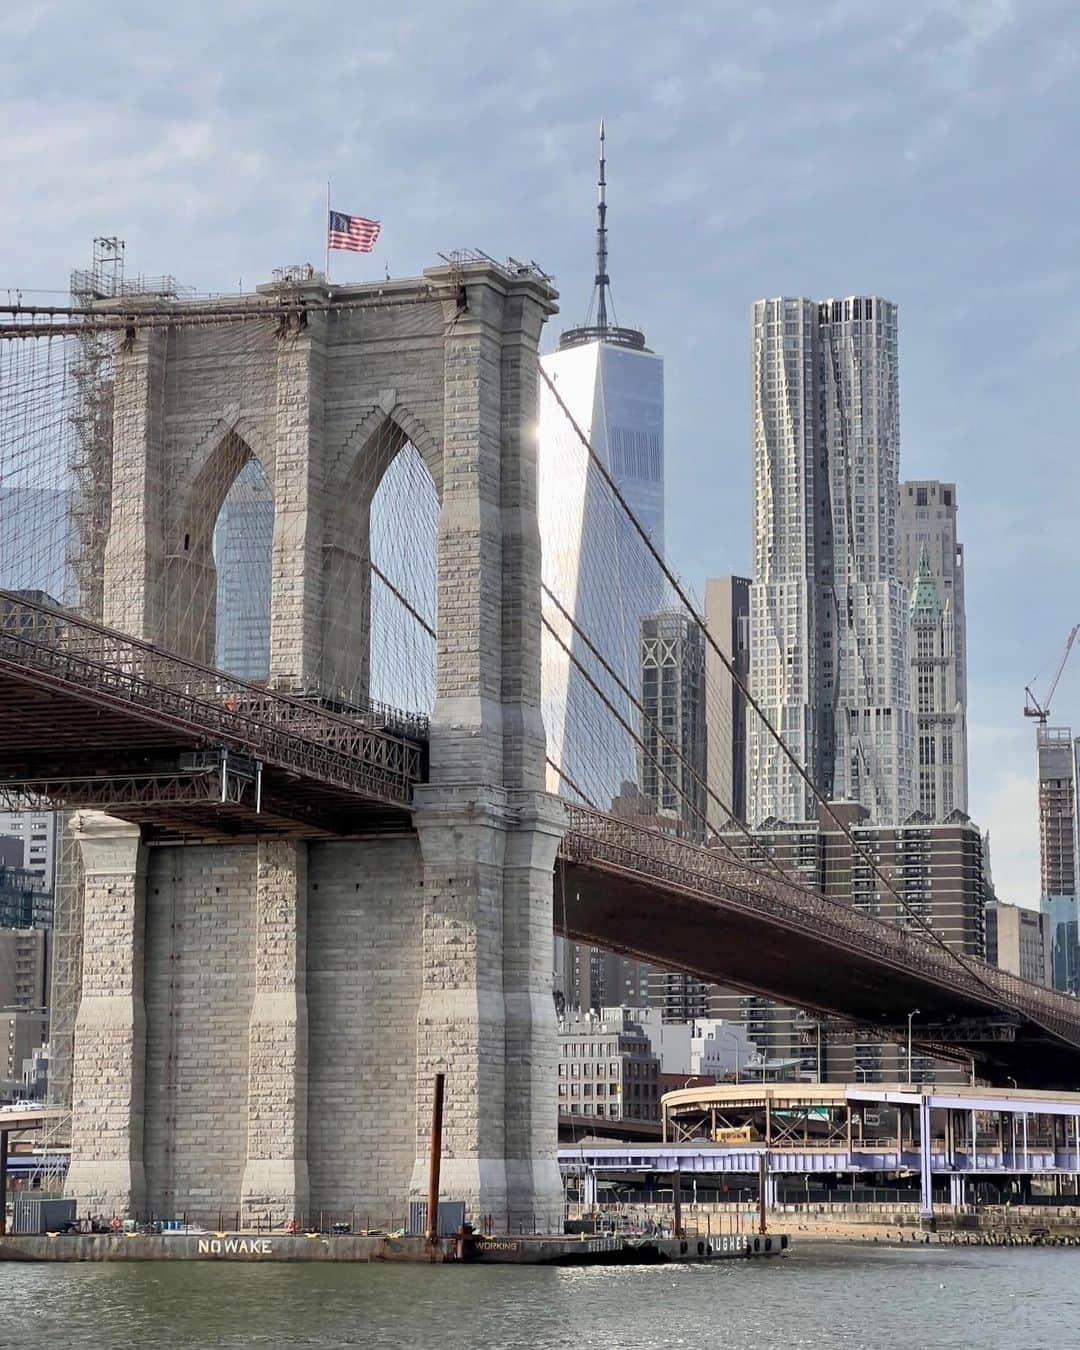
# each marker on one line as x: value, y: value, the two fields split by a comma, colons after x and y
x: 404, y: 528
x: 379, y: 576
x: 242, y: 550
x: 215, y: 587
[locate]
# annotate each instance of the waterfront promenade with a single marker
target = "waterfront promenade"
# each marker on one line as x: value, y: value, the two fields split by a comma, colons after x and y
x: 853, y: 1132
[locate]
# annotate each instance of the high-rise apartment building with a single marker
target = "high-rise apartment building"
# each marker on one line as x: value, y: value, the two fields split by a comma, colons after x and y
x: 932, y: 567
x: 940, y: 755
x: 1016, y: 941
x: 678, y: 997
x: 589, y: 978
x: 1057, y: 755
x: 936, y: 872
x: 727, y: 620
x: 828, y: 640
x: 935, y: 869
x: 24, y: 968
x: 25, y: 902
x: 674, y: 764
x: 37, y: 832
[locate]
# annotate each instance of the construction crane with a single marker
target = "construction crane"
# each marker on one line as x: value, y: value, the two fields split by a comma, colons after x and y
x: 1032, y: 706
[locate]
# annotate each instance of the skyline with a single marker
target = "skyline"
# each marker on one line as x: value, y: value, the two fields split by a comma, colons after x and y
x: 937, y: 138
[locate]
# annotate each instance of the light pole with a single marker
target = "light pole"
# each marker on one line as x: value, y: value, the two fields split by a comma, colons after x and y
x: 730, y: 1035
x: 912, y: 1014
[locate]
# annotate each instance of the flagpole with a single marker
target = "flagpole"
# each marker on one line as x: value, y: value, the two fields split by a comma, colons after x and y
x: 327, y: 225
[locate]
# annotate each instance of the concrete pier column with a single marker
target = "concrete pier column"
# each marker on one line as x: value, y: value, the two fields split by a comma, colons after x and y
x: 275, y: 1184
x: 106, y: 1175
x: 926, y: 1178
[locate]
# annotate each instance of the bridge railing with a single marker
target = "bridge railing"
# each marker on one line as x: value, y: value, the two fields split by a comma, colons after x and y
x: 375, y: 751
x: 618, y: 845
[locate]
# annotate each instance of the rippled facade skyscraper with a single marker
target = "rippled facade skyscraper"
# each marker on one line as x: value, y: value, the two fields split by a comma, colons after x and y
x: 828, y: 607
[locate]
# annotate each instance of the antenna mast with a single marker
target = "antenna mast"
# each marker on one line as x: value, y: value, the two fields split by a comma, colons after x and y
x: 603, y: 281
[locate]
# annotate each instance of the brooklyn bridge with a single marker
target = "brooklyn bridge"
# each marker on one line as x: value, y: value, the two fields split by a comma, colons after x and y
x: 299, y: 886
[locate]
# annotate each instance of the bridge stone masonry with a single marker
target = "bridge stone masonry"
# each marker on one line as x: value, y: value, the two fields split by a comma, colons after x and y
x: 261, y: 1018
x: 299, y: 904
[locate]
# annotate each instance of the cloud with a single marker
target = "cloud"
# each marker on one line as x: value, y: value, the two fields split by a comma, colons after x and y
x: 911, y: 150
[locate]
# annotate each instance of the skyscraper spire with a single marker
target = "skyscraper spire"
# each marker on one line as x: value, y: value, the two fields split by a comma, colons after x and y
x: 606, y: 328
x: 603, y: 281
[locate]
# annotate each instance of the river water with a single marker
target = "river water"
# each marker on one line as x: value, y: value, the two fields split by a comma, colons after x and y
x: 822, y: 1297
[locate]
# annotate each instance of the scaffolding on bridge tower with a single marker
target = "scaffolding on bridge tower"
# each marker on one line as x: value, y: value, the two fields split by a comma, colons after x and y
x: 60, y: 417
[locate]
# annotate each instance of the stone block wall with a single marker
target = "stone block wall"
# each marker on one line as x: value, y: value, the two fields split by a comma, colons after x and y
x: 278, y: 1077
x: 200, y: 968
x: 364, y: 951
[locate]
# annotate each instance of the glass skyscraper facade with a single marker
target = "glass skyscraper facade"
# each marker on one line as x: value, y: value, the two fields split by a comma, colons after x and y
x: 1058, y: 755
x: 593, y: 560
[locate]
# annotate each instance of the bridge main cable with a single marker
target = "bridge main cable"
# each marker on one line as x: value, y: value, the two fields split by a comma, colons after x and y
x: 744, y: 689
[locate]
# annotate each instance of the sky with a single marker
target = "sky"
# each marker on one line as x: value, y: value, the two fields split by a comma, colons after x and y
x: 923, y: 151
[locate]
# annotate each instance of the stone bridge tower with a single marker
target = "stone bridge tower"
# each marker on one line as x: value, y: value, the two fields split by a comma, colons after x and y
x: 260, y: 1020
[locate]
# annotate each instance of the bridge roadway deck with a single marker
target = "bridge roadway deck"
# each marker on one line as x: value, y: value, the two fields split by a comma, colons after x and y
x: 92, y: 717
x: 695, y: 909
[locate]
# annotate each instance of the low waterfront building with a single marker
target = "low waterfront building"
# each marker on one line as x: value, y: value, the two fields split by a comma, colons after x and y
x: 721, y: 1049
x: 951, y: 1143
x: 607, y: 1067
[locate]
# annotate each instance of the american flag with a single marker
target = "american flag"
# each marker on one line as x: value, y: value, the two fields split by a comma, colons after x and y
x: 352, y: 232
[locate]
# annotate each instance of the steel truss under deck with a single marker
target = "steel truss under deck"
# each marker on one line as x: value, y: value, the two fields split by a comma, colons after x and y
x: 632, y: 855
x: 93, y: 717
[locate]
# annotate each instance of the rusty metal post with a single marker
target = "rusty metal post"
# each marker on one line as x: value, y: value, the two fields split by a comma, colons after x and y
x: 763, y: 1182
x: 676, y: 1195
x: 3, y: 1181
x: 435, y: 1158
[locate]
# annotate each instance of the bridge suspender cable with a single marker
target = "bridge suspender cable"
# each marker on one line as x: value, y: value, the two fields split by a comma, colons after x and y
x: 620, y: 719
x: 752, y: 702
x: 626, y: 692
